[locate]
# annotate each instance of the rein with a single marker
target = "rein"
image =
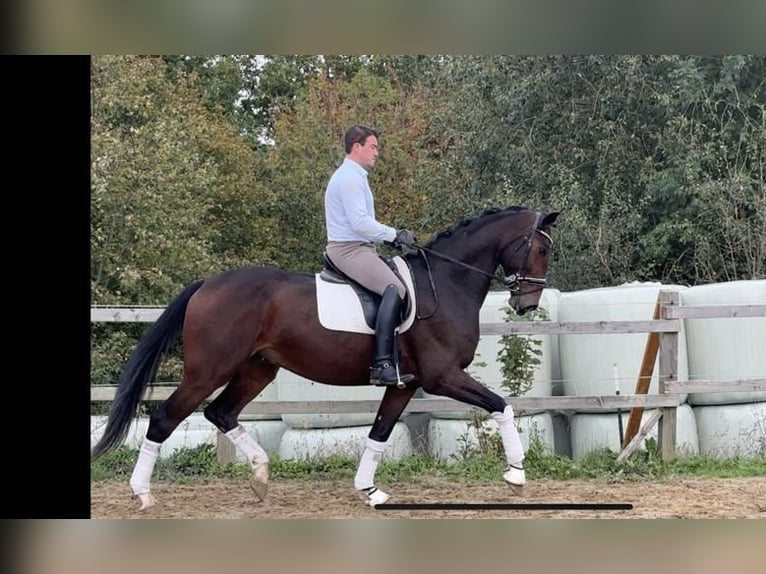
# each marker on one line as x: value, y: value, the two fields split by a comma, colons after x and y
x: 512, y: 281
x: 503, y: 281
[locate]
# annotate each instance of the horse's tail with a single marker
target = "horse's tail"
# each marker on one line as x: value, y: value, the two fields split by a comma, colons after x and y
x: 141, y: 369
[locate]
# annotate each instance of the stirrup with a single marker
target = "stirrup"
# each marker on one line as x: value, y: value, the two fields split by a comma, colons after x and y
x: 400, y: 381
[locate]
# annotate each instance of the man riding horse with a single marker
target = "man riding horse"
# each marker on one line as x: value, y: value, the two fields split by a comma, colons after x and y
x: 352, y: 232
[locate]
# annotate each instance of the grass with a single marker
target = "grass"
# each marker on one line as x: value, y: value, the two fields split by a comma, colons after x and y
x: 483, y: 465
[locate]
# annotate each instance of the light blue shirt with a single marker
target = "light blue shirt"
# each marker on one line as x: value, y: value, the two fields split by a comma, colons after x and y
x: 350, y: 208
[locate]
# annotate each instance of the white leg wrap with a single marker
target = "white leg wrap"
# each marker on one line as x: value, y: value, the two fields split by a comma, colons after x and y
x: 365, y: 474
x: 373, y: 496
x: 241, y: 439
x: 142, y: 472
x: 514, y: 451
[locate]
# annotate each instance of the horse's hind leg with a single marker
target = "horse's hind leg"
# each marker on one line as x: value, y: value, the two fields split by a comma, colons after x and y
x: 162, y: 422
x: 223, y: 412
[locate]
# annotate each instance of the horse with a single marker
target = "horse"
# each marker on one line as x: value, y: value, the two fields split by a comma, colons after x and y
x: 241, y: 326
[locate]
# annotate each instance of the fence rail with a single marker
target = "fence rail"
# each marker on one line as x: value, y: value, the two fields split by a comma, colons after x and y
x: 418, y: 405
x: 667, y: 399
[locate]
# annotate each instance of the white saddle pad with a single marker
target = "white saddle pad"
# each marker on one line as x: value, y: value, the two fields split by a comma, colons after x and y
x: 339, y: 307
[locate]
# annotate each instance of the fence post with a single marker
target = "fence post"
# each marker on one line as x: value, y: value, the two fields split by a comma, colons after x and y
x: 668, y: 374
x: 644, y: 377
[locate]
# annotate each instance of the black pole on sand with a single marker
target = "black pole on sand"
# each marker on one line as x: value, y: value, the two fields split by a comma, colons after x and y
x: 619, y: 410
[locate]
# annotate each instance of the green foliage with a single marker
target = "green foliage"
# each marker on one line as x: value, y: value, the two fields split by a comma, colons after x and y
x: 639, y: 152
x: 334, y: 466
x: 411, y: 469
x: 189, y: 463
x: 115, y: 465
x: 718, y: 468
x: 656, y: 161
x: 111, y: 345
x: 482, y: 466
x: 174, y: 195
x: 183, y: 465
x: 541, y: 462
x: 479, y: 441
x: 520, y: 355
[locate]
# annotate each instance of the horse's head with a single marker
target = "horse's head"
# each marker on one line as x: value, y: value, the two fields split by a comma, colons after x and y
x: 515, y: 238
x: 525, y: 263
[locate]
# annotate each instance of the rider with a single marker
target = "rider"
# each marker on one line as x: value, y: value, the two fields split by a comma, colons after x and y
x: 352, y: 232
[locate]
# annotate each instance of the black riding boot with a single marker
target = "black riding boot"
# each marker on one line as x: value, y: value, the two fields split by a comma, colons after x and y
x: 383, y: 371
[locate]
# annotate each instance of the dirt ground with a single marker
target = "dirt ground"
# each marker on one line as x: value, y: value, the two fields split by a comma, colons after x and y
x: 675, y: 498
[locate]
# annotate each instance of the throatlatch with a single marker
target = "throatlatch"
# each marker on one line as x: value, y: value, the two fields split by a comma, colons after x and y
x: 385, y: 365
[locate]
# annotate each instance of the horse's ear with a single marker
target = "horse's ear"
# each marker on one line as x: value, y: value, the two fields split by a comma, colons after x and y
x: 550, y: 219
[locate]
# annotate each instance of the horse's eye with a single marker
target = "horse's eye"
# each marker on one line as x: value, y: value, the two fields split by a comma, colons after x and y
x: 543, y: 251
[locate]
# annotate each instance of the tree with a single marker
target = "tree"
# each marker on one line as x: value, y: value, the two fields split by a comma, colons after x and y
x: 174, y: 189
x: 639, y: 152
x: 309, y: 146
x: 174, y: 197
x: 712, y: 196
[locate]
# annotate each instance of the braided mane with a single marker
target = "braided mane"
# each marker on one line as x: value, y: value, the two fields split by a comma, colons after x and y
x: 469, y: 220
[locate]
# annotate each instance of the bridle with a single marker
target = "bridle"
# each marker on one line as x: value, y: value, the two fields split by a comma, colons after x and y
x: 512, y: 282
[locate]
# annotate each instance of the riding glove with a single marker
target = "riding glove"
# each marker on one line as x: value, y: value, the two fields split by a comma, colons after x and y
x: 404, y: 237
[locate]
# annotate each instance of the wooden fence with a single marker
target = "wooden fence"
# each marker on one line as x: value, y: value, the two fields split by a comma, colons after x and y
x: 666, y: 401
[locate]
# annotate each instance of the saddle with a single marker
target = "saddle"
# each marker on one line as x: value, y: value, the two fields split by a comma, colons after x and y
x: 369, y: 299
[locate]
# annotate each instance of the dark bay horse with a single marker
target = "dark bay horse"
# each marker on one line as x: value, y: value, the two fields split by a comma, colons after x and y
x: 239, y: 327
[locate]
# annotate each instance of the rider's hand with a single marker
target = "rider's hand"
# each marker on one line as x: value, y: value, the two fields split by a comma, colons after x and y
x: 404, y: 237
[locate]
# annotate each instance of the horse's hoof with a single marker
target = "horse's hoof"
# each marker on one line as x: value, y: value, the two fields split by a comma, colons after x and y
x: 259, y: 481
x: 147, y: 500
x: 373, y: 496
x: 516, y: 489
x: 516, y: 479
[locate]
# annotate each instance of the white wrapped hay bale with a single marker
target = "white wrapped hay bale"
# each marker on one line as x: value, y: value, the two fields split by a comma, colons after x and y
x: 136, y: 430
x: 292, y: 387
x: 726, y: 349
x: 729, y: 431
x: 590, y: 431
x: 588, y: 361
x: 193, y: 432
x: 270, y: 393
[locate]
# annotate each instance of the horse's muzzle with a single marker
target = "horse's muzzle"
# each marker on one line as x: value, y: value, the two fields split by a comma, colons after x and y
x: 524, y: 310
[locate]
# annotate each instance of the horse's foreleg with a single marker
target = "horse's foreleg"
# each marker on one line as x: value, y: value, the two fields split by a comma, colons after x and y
x: 462, y: 387
x: 391, y: 407
x: 514, y: 450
